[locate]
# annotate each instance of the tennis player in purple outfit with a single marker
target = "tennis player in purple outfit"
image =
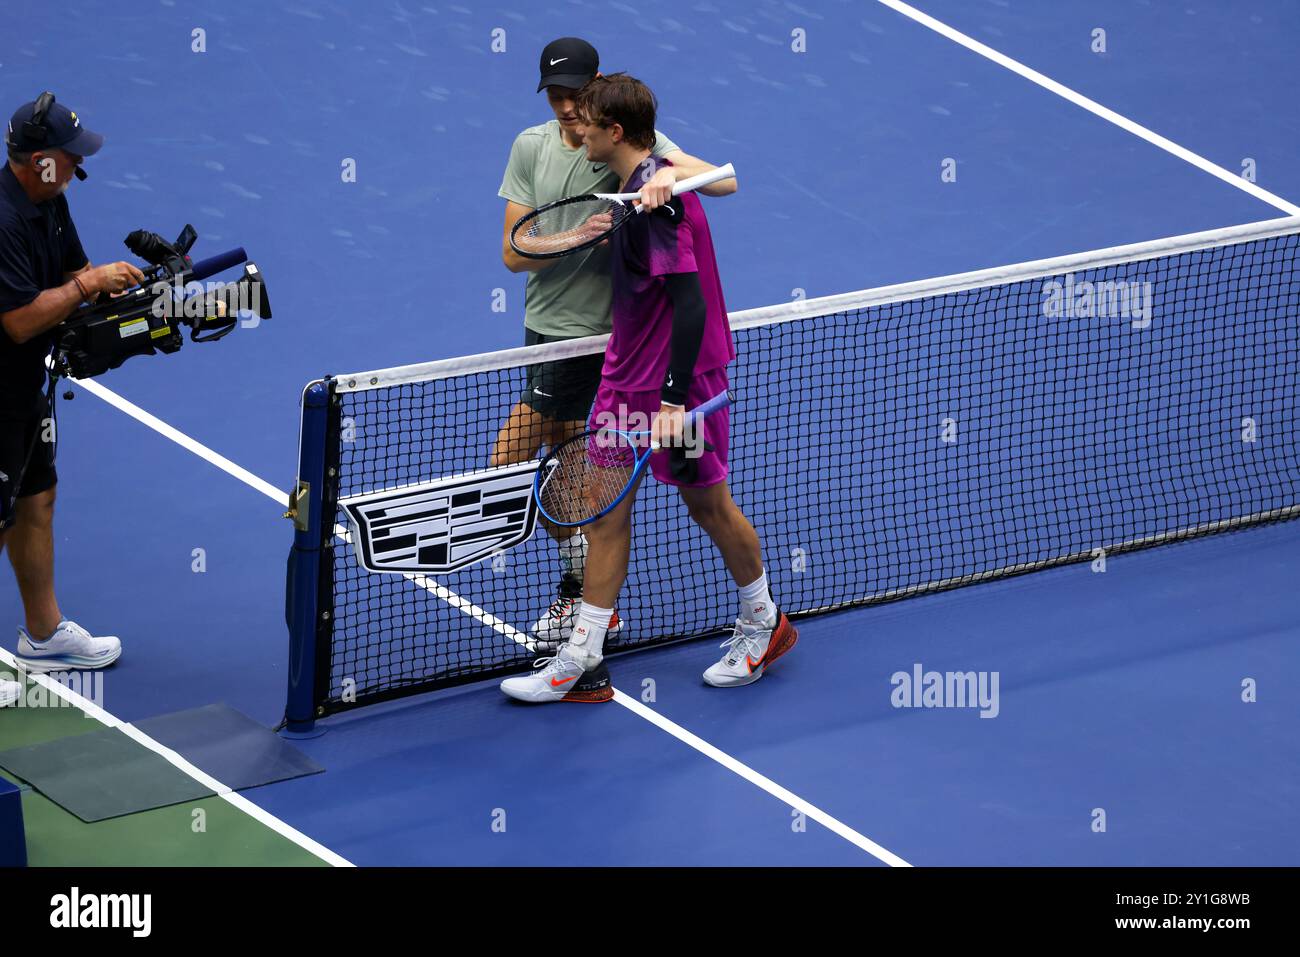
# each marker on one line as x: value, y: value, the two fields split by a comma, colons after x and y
x: 668, y: 354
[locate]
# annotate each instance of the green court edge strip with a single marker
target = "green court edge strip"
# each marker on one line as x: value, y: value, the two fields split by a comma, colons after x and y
x: 681, y: 734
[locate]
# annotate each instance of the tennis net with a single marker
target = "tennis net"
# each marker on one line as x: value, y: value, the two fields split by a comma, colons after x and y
x: 884, y: 443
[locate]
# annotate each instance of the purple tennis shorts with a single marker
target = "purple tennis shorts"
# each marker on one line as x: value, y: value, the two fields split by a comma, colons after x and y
x: 633, y: 411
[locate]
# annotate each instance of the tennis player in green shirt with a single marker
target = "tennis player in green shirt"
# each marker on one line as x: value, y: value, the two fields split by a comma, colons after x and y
x: 569, y: 297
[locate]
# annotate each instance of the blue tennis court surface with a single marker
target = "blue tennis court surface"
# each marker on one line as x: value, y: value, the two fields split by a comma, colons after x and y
x: 1143, y: 715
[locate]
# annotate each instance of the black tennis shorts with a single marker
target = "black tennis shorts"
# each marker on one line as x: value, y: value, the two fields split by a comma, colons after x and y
x: 21, y: 422
x: 561, y: 390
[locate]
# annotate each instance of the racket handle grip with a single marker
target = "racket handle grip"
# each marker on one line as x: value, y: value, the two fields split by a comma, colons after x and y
x: 719, y: 401
x: 704, y: 179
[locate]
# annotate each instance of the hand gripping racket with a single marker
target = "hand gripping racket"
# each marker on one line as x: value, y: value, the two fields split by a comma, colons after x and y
x: 586, y: 476
x: 581, y: 222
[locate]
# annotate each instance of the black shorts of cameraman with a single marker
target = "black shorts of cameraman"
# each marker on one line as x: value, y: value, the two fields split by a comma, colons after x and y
x: 26, y: 453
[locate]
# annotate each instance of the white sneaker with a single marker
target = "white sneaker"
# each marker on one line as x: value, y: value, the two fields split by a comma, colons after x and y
x: 71, y: 647
x: 556, y: 626
x: 560, y: 679
x: 10, y: 691
x: 750, y: 649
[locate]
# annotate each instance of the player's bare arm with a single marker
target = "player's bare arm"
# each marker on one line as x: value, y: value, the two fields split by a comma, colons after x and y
x: 659, y: 189
x: 515, y: 262
x: 685, y: 166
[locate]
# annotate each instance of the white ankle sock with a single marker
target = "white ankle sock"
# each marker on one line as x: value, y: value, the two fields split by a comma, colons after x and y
x: 756, y: 603
x: 588, y: 636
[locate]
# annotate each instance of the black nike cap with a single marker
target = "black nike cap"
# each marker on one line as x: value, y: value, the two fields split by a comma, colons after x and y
x: 568, y: 62
x: 60, y: 127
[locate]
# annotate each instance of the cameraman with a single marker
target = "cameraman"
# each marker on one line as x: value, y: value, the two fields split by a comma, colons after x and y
x: 44, y: 277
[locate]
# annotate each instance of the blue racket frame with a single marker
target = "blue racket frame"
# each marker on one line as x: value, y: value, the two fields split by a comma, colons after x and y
x: 719, y: 401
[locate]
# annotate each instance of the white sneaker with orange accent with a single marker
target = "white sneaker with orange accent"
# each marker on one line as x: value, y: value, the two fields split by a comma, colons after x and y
x: 561, y: 678
x: 750, y: 650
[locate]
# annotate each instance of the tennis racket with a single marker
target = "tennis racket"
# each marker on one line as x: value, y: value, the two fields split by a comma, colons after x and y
x: 581, y: 222
x: 586, y: 476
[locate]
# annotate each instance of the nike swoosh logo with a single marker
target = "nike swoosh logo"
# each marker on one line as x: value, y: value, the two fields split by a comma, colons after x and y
x: 537, y: 391
x: 561, y: 684
x: 560, y: 60
x: 752, y: 663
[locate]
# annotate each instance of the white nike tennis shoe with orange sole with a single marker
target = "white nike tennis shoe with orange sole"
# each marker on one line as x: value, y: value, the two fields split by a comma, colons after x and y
x: 750, y: 650
x: 561, y: 678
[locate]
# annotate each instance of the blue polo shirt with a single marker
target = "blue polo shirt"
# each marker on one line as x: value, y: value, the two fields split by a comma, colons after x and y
x: 38, y: 245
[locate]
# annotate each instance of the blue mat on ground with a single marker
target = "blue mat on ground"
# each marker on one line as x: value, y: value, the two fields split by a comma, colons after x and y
x: 230, y: 746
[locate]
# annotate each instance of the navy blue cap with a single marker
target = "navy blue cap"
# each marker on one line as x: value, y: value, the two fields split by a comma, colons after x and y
x: 568, y: 62
x: 60, y: 129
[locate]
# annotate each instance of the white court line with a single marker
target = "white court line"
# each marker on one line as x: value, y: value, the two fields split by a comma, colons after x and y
x: 678, y: 732
x: 181, y: 439
x: 1092, y: 106
x: 222, y: 791
x: 759, y: 781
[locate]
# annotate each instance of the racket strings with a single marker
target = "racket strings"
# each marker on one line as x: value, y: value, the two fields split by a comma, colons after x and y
x: 569, y: 225
x: 586, y: 475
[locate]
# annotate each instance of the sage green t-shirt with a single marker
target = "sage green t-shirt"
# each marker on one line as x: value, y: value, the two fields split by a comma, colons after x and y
x: 571, y: 297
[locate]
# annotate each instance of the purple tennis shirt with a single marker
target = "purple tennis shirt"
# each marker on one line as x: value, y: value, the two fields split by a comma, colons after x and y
x: 644, y: 251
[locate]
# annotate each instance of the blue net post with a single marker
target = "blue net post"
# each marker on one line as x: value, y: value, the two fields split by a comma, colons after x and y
x: 306, y: 610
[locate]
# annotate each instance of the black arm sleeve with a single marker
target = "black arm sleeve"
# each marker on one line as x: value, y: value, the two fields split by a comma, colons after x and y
x: 688, y: 333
